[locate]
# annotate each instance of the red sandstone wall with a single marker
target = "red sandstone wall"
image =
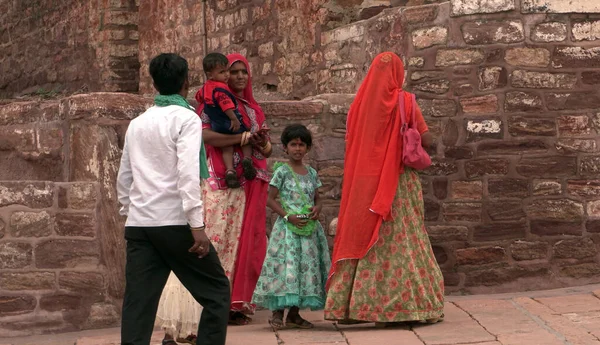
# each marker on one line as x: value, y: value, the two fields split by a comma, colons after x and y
x: 67, y: 46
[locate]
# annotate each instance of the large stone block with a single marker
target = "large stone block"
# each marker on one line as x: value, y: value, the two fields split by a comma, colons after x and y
x: 508, y: 188
x: 528, y: 57
x: 16, y: 305
x: 590, y: 166
x: 586, y: 270
x: 15, y: 255
x: 75, y: 224
x: 30, y: 224
x: 481, y: 167
x: 546, y: 187
x: 499, y: 231
x: 556, y: 228
x: 574, y: 126
x: 560, y: 6
x: 117, y: 106
x: 542, y: 80
x: 17, y: 113
x: 479, y: 104
x: 78, y: 196
x: 576, y: 57
x: 429, y: 37
x: 88, y: 283
x: 504, y: 275
x: 455, y: 57
x: 480, y: 256
x: 490, y: 31
x: 67, y: 254
x: 61, y: 302
x: 520, y: 147
x: 523, y: 250
x: 524, y: 125
x: 441, y: 168
x: 439, y: 86
x: 553, y: 166
x: 588, y: 30
x: 574, y: 249
x: 461, y: 212
x: 464, y: 7
x: 29, y: 194
x: 576, y: 145
x: 437, y: 107
x: 484, y: 129
x: 466, y: 190
x: 549, y: 32
x: 518, y: 101
x: 420, y: 14
x: 18, y: 281
x: 555, y: 209
x: 492, y: 77
x: 445, y: 233
x: 505, y: 211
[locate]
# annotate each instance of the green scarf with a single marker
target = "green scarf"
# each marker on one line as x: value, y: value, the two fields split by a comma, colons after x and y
x: 166, y: 100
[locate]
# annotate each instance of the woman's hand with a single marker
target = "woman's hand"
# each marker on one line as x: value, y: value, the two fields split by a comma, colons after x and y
x: 258, y: 139
x: 297, y: 222
x: 315, y: 212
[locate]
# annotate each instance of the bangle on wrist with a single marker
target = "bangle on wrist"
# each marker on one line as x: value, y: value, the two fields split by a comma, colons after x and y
x: 198, y: 228
x: 286, y: 217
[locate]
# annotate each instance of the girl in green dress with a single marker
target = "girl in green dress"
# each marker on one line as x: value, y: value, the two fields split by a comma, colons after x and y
x: 295, y: 269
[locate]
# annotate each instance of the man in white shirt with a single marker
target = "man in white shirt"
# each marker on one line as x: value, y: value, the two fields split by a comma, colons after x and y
x: 159, y: 187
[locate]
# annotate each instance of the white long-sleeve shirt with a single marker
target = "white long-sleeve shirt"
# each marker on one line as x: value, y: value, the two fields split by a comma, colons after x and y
x: 159, y: 177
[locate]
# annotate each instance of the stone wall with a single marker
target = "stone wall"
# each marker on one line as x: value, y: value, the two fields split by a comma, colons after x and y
x: 61, y: 239
x: 48, y: 47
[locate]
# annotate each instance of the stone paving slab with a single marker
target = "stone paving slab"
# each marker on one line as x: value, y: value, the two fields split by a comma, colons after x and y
x: 556, y: 317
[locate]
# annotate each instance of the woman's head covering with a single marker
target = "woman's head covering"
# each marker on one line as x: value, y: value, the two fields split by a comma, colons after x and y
x: 247, y: 94
x: 373, y: 161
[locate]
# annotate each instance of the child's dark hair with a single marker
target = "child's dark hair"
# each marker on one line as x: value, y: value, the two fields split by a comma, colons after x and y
x: 169, y: 72
x: 214, y: 60
x: 296, y: 131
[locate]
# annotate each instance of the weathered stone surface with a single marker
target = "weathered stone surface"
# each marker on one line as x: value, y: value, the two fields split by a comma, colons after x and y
x: 420, y: 14
x: 429, y: 37
x: 17, y: 139
x: 559, y: 6
x: 420, y: 75
x: 463, y: 89
x: 30, y: 224
x: 555, y: 228
x: 480, y: 167
x: 292, y: 109
x: 328, y: 148
x: 2, y: 227
x: 479, y: 256
x: 60, y: 302
x: 549, y: 32
x: 574, y: 125
x: 461, y: 212
x: 461, y: 152
x: 593, y: 208
x: 512, y: 147
x: 15, y: 255
x: 444, y: 234
x: 576, y: 145
x: 75, y: 224
x: 547, y: 187
x: 492, y: 77
x: 466, y: 190
x: 539, y: 80
x: 593, y: 225
x: 16, y: 305
x: 581, y: 271
x: 555, y: 209
x: 484, y: 129
x: 440, y: 188
x: 503, y: 275
x: 437, y: 107
x: 439, y: 86
x: 522, y: 250
x: 499, y: 231
x: 450, y: 133
x: 590, y: 166
x: 576, y: 57
x: 66, y: 254
x: 30, y: 194
x: 505, y: 210
x: 552, y: 166
x: 117, y: 106
x: 432, y: 210
x: 463, y: 7
x: 479, y: 104
x: 491, y: 31
x: 590, y: 78
x: 573, y: 101
x: 440, y: 255
x: 416, y: 62
x: 440, y: 168
x: 87, y: 283
x: 574, y: 248
x: 18, y: 281
x: 588, y: 30
x: 524, y: 125
x: 528, y: 57
x: 103, y: 315
x: 78, y: 196
x: 518, y: 101
x: 454, y: 57
x: 508, y: 188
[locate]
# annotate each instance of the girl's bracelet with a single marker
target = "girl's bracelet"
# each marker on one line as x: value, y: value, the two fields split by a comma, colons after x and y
x: 266, y: 147
x: 245, y: 138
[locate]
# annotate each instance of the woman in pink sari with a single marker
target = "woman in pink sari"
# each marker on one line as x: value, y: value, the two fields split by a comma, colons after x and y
x: 236, y: 218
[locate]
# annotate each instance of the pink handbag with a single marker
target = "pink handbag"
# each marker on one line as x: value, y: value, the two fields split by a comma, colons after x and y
x: 413, y: 154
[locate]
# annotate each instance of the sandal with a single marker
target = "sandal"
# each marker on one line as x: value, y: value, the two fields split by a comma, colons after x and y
x: 238, y: 319
x: 435, y: 319
x: 303, y: 324
x: 249, y: 169
x: 276, y: 321
x: 231, y: 179
x: 169, y: 342
x: 190, y: 339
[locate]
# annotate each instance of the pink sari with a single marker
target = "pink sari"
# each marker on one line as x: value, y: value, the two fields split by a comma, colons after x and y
x: 252, y: 238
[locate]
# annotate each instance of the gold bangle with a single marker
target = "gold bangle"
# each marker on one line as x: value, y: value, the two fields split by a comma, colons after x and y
x: 266, y: 147
x: 245, y: 138
x: 200, y: 228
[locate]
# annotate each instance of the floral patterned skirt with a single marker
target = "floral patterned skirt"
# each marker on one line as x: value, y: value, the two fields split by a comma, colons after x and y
x: 295, y: 270
x: 399, y: 279
x: 178, y: 312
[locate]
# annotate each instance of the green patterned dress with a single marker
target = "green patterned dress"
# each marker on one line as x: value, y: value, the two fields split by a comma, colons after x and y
x: 399, y: 279
x: 295, y: 269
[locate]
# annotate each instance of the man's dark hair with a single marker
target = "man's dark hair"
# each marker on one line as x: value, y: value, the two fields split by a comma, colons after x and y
x: 169, y: 72
x: 296, y: 131
x: 214, y: 60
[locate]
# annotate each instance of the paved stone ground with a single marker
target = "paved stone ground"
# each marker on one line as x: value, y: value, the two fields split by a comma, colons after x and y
x: 555, y: 317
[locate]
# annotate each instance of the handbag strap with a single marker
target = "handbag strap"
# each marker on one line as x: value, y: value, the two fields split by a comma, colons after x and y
x: 298, y: 187
x: 401, y: 104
